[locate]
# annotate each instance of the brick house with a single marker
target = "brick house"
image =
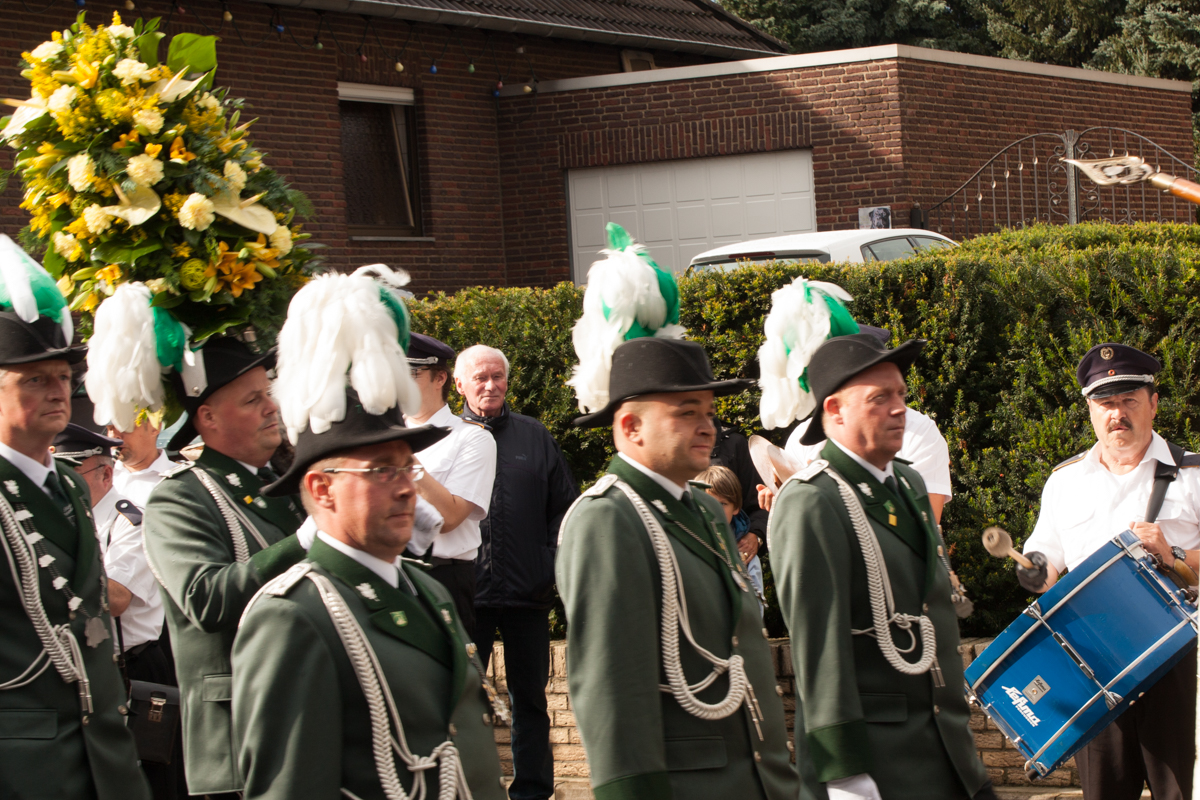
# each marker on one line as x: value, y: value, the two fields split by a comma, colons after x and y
x: 487, y: 144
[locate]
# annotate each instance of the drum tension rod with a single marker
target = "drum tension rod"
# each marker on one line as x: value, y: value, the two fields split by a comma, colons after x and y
x: 1111, y: 699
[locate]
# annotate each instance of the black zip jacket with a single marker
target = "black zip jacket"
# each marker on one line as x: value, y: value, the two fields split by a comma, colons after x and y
x: 533, y: 490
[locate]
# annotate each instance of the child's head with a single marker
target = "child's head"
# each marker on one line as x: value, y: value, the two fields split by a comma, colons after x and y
x: 725, y: 487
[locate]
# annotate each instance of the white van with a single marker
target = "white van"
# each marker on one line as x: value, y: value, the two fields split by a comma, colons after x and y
x: 883, y: 244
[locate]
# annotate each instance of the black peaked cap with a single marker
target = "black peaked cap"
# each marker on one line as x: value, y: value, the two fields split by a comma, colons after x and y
x: 77, y: 443
x: 840, y: 359
x: 358, y: 429
x: 43, y: 339
x: 650, y: 365
x: 225, y: 360
x: 1112, y: 368
x: 427, y: 351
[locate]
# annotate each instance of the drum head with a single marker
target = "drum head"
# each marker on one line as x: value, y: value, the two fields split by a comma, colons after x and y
x: 773, y: 464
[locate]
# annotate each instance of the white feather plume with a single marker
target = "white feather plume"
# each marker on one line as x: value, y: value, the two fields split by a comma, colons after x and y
x: 124, y: 376
x: 796, y: 326
x: 627, y: 286
x: 13, y: 271
x: 339, y: 330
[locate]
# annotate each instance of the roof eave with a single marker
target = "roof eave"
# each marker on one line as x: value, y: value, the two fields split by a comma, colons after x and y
x: 433, y: 16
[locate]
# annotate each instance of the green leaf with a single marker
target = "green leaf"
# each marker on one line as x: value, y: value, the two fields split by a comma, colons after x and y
x: 167, y: 300
x: 147, y: 45
x: 114, y: 253
x: 53, y: 262
x: 192, y: 52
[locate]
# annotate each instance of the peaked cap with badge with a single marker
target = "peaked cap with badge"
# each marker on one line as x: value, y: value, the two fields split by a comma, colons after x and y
x: 76, y: 444
x: 61, y: 699
x: 1112, y: 368
x: 412, y: 666
x: 426, y: 351
x: 889, y: 707
x: 718, y: 731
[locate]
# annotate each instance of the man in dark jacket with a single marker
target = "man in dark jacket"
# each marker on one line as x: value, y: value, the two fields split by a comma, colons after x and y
x: 514, y: 571
x: 732, y: 451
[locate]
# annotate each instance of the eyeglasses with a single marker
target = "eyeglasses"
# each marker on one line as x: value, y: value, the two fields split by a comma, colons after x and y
x: 387, y: 474
x: 415, y: 371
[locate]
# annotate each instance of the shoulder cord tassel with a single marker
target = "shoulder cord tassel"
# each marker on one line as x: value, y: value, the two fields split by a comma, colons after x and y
x: 234, y: 519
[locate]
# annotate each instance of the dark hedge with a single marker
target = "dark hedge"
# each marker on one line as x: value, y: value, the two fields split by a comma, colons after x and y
x: 1007, y: 318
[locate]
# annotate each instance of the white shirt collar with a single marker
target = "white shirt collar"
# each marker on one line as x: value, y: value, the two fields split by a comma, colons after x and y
x: 443, y: 417
x: 253, y: 470
x: 157, y: 467
x: 672, y: 488
x: 1157, y: 451
x: 878, y: 474
x: 105, y: 508
x: 384, y: 569
x: 31, y: 469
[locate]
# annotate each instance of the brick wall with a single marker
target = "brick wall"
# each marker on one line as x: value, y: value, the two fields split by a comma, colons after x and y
x: 893, y: 132
x: 1003, y: 761
x: 292, y: 89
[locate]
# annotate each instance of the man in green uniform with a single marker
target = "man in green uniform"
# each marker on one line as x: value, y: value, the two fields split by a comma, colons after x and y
x: 212, y: 541
x: 672, y: 685
x: 877, y: 668
x: 353, y: 673
x: 62, y: 733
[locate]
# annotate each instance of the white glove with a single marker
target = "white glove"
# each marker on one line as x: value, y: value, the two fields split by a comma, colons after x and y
x: 856, y: 787
x: 306, y: 533
x: 427, y: 524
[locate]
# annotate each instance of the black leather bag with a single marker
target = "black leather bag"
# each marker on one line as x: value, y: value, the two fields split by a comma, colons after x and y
x: 154, y: 720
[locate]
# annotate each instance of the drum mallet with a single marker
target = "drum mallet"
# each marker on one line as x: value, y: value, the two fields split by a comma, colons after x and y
x: 997, y: 542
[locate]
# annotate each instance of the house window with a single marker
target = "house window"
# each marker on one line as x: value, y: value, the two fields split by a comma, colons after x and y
x: 379, y: 161
x: 637, y: 61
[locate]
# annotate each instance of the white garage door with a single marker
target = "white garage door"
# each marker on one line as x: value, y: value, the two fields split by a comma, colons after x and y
x: 679, y: 209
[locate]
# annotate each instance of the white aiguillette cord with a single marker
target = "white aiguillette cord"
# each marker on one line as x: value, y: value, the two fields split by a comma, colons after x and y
x: 674, y: 620
x: 883, y: 606
x: 381, y: 706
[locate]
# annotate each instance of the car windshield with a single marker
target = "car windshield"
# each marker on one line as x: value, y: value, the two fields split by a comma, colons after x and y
x: 888, y: 249
x: 930, y: 243
x: 759, y: 258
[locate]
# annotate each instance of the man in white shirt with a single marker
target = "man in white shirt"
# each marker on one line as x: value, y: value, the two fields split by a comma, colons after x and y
x: 1088, y: 500
x: 140, y: 463
x: 133, y: 596
x: 459, y: 473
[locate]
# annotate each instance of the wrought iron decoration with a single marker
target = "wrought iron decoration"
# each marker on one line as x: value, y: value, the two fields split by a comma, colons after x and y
x: 1126, y: 170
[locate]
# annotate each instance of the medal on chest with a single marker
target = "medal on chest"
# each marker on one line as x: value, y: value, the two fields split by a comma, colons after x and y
x: 891, y: 509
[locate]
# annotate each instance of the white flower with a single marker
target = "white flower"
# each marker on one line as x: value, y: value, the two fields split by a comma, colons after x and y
x: 209, y: 103
x: 130, y: 71
x: 80, y: 172
x: 66, y: 245
x: 96, y: 219
x: 47, y: 51
x: 121, y: 31
x: 149, y: 119
x: 145, y: 170
x: 64, y: 96
x: 196, y: 212
x: 281, y: 240
x: 235, y: 176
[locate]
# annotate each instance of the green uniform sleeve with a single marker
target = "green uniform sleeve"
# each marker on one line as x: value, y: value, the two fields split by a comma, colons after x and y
x: 290, y: 745
x: 189, y: 548
x: 812, y: 557
x: 610, y: 595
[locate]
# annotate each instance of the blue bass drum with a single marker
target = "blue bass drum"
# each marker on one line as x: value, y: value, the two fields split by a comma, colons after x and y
x: 1083, y: 653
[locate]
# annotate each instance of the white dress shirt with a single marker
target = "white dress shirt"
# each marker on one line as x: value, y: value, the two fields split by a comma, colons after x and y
x: 671, y: 487
x: 138, y: 485
x: 923, y: 446
x: 875, y: 472
x: 31, y: 469
x: 465, y: 463
x: 390, y: 572
x: 1084, y: 505
x: 125, y: 562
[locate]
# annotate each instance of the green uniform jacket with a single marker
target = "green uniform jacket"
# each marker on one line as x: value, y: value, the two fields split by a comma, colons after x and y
x: 190, y: 550
x: 860, y: 714
x: 299, y: 710
x: 640, y: 743
x: 48, y: 747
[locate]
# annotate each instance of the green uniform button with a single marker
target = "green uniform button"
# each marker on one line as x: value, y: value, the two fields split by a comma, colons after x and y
x: 735, y: 641
x: 453, y: 730
x: 487, y: 719
x: 757, y: 756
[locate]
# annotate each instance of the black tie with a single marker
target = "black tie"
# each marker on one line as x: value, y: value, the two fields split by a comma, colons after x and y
x: 60, y: 496
x: 890, y: 483
x: 688, y: 502
x: 267, y: 475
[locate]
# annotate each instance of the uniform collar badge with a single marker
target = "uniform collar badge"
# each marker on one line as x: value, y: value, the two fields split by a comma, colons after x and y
x: 446, y: 615
x: 367, y: 591
x: 865, y: 489
x: 234, y: 480
x: 660, y: 505
x: 400, y: 618
x: 904, y: 481
x: 12, y: 488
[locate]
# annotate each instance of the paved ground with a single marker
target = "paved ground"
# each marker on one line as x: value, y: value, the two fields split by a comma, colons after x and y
x: 577, y: 789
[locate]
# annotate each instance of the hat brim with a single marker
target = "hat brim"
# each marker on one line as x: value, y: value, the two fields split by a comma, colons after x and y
x: 605, y: 415
x: 416, y: 438
x: 184, y: 436
x: 903, y: 357
x: 72, y: 355
x: 1119, y: 387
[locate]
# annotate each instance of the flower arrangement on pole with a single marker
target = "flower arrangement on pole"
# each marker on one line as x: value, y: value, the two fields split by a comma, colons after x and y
x: 139, y: 171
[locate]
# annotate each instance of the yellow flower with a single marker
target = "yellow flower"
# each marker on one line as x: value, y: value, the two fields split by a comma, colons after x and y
x: 232, y: 273
x: 182, y: 250
x: 110, y: 274
x: 89, y: 303
x: 85, y: 72
x: 151, y: 148
x: 260, y: 251
x: 179, y: 150
x: 127, y: 139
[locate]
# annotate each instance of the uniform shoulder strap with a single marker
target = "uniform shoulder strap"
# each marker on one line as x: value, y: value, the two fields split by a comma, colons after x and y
x: 1072, y: 460
x: 129, y: 511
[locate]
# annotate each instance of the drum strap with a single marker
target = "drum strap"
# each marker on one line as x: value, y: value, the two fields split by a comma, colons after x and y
x: 1164, y: 475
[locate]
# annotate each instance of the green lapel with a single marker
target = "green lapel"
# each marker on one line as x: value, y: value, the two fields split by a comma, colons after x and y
x: 666, y: 507
x: 243, y: 486
x: 48, y: 517
x: 88, y: 544
x: 875, y: 499
x: 925, y: 523
x: 727, y: 544
x: 447, y: 617
x: 396, y: 613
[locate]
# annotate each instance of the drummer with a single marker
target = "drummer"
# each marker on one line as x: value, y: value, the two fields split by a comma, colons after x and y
x: 1088, y: 500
